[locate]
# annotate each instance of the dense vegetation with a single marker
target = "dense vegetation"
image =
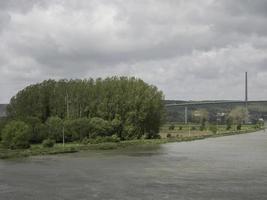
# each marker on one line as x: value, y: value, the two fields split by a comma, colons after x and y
x: 80, y: 110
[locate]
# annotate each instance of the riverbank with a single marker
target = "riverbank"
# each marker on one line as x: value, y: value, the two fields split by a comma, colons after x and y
x: 35, y: 150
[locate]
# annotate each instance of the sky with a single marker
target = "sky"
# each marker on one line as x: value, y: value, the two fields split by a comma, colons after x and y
x: 189, y: 49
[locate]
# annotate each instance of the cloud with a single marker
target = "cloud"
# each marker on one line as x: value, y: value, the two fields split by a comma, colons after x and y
x: 189, y: 49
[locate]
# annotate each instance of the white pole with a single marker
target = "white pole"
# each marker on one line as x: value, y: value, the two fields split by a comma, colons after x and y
x: 185, y: 115
x: 63, y: 136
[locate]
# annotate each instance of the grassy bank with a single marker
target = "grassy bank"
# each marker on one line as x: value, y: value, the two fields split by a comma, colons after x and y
x: 76, y: 147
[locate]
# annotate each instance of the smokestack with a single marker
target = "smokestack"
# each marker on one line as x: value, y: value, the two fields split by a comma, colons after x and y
x: 246, y: 87
x: 246, y: 97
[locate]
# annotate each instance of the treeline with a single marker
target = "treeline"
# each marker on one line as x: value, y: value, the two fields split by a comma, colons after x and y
x: 121, y: 107
x: 176, y: 114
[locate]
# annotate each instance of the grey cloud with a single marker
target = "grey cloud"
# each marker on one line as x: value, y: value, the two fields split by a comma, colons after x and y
x: 188, y: 49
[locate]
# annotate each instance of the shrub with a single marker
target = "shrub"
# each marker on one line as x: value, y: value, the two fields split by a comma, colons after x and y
x: 180, y: 128
x: 85, y: 140
x: 34, y: 124
x: 48, y: 143
x: 213, y: 129
x: 77, y: 129
x: 3, y: 122
x: 115, y: 138
x: 99, y: 127
x: 202, y: 127
x: 171, y: 127
x: 193, y: 128
x: 238, y: 127
x: 157, y: 136
x: 169, y: 135
x: 16, y: 134
x: 99, y: 140
x: 229, y: 123
x: 55, y: 128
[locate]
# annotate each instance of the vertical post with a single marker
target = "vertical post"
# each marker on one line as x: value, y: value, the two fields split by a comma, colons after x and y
x: 186, y: 120
x: 246, y: 96
x: 189, y: 129
x: 246, y: 87
x: 217, y: 123
x: 185, y: 115
x: 63, y: 136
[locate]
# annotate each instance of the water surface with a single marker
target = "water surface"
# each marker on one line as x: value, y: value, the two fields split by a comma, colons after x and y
x: 231, y: 167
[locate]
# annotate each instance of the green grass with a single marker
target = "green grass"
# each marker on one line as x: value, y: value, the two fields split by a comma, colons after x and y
x: 38, y: 149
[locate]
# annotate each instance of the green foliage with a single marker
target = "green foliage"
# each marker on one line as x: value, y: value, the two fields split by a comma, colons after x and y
x: 3, y: 122
x: 98, y: 140
x: 200, y: 116
x: 169, y: 135
x: 34, y: 123
x: 48, y: 143
x: 180, y: 128
x: 16, y: 134
x: 127, y: 107
x: 229, y: 124
x: 77, y: 129
x: 238, y: 115
x: 171, y: 127
x: 203, y: 125
x: 99, y: 127
x: 55, y: 128
x: 238, y: 127
x: 213, y: 129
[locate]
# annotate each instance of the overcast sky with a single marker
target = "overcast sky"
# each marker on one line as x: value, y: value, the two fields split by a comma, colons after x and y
x: 189, y: 49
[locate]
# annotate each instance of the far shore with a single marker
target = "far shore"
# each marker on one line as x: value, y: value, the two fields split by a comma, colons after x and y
x: 37, y: 149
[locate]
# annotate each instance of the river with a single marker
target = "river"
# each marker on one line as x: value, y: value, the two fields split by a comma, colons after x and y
x: 230, y: 167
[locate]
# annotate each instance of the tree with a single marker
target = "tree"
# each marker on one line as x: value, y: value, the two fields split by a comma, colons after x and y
x: 99, y: 127
x: 16, y: 134
x: 229, y: 123
x: 55, y: 128
x: 35, y: 124
x: 3, y: 122
x: 77, y: 129
x: 128, y: 106
x: 238, y: 115
x: 201, y: 116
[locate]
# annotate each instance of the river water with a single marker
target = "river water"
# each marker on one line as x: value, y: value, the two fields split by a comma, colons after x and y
x: 231, y: 167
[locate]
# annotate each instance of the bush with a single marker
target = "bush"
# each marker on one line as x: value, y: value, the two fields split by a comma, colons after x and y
x: 99, y: 127
x: 180, y: 128
x: 238, y: 127
x: 16, y: 134
x: 85, y: 140
x: 77, y: 129
x: 169, y: 135
x: 48, y: 143
x: 157, y: 136
x: 171, y: 127
x: 55, y: 128
x: 213, y: 129
x: 202, y: 127
x: 98, y: 140
x: 193, y: 128
x: 229, y: 123
x: 3, y: 122
x: 34, y: 124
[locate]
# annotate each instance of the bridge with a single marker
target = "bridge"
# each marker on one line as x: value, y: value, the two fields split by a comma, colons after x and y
x: 188, y: 104
x: 199, y: 103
